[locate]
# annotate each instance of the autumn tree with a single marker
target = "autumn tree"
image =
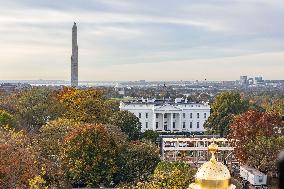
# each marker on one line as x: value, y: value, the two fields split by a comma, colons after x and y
x: 88, y: 154
x: 88, y: 105
x: 36, y: 107
x: 128, y: 123
x: 17, y: 159
x: 49, y: 141
x: 136, y: 161
x: 257, y: 138
x: 224, y: 107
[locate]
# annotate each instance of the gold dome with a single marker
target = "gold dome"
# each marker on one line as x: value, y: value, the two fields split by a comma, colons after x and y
x: 212, y: 174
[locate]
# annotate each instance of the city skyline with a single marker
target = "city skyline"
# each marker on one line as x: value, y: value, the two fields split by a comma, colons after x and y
x: 134, y: 40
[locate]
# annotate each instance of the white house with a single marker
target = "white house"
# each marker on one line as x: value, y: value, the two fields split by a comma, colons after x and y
x: 169, y: 116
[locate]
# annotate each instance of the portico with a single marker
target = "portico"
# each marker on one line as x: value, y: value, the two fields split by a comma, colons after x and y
x: 167, y: 118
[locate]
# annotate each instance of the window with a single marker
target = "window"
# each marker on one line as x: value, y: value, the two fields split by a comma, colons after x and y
x: 157, y: 125
x: 183, y: 115
x: 146, y: 115
x: 146, y: 125
x: 165, y: 115
x: 174, y: 115
x: 139, y: 115
x: 174, y: 125
x: 157, y: 115
x: 190, y: 115
x: 190, y: 125
x: 205, y: 115
x: 197, y: 124
x: 197, y: 115
x: 183, y: 125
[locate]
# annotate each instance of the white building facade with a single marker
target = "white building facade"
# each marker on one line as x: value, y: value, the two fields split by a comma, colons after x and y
x: 167, y: 116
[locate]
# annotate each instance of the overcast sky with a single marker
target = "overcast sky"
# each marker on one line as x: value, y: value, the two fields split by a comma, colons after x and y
x: 143, y: 39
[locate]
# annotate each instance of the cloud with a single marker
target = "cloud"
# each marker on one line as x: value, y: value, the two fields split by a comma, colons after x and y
x: 129, y: 33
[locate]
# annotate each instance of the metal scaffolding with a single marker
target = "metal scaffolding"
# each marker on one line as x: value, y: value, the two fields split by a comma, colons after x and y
x: 195, y: 150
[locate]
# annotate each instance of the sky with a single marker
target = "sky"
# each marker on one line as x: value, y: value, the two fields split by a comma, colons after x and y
x: 142, y: 39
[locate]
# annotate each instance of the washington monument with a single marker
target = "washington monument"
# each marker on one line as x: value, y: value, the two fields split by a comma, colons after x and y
x: 74, y: 57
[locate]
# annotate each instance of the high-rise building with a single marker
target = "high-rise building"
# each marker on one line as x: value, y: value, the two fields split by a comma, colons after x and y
x: 74, y: 57
x: 244, y: 80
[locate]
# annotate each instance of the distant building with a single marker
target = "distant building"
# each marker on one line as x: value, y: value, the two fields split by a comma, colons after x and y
x: 250, y: 81
x: 168, y: 115
x: 74, y: 58
x: 244, y: 80
x: 12, y: 87
x: 258, y: 80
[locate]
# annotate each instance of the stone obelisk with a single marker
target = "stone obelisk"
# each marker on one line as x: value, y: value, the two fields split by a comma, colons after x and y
x: 74, y: 58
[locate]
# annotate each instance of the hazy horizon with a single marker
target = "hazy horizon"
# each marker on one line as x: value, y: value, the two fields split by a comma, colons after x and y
x: 129, y: 40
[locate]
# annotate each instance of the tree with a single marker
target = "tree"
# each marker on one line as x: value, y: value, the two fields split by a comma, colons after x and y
x: 50, y: 140
x: 6, y: 118
x: 128, y: 123
x: 150, y: 136
x: 17, y: 159
x: 168, y: 175
x: 277, y: 107
x: 36, y: 107
x: 88, y: 154
x: 88, y: 106
x: 136, y: 161
x: 224, y: 107
x: 256, y: 137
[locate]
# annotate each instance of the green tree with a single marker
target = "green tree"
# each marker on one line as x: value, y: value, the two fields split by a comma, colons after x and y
x: 150, y: 136
x: 168, y: 175
x: 88, y: 154
x: 136, y: 161
x: 128, y: 123
x: 36, y: 107
x: 6, y: 118
x: 224, y: 107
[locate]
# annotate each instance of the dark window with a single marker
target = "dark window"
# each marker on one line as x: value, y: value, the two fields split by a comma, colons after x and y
x: 139, y: 115
x: 197, y: 115
x: 190, y: 115
x: 165, y: 115
x: 146, y: 115
x: 190, y: 125
x: 205, y: 115
x: 157, y: 115
x: 174, y: 125
x: 197, y: 124
x: 174, y: 115
x: 183, y: 125
x: 157, y: 125
x: 146, y: 125
x: 183, y: 115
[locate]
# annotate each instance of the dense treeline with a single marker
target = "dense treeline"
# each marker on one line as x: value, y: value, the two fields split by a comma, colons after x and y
x: 60, y: 139
x: 69, y: 138
x: 254, y: 123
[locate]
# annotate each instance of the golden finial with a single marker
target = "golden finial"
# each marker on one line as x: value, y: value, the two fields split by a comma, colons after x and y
x: 213, y: 148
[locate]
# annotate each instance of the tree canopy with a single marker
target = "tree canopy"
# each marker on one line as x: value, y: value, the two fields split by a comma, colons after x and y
x: 128, y: 123
x: 258, y: 139
x: 224, y: 107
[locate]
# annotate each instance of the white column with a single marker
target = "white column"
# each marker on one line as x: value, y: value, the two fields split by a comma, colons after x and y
x: 180, y: 122
x: 163, y: 121
x: 154, y: 121
x: 171, y: 122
